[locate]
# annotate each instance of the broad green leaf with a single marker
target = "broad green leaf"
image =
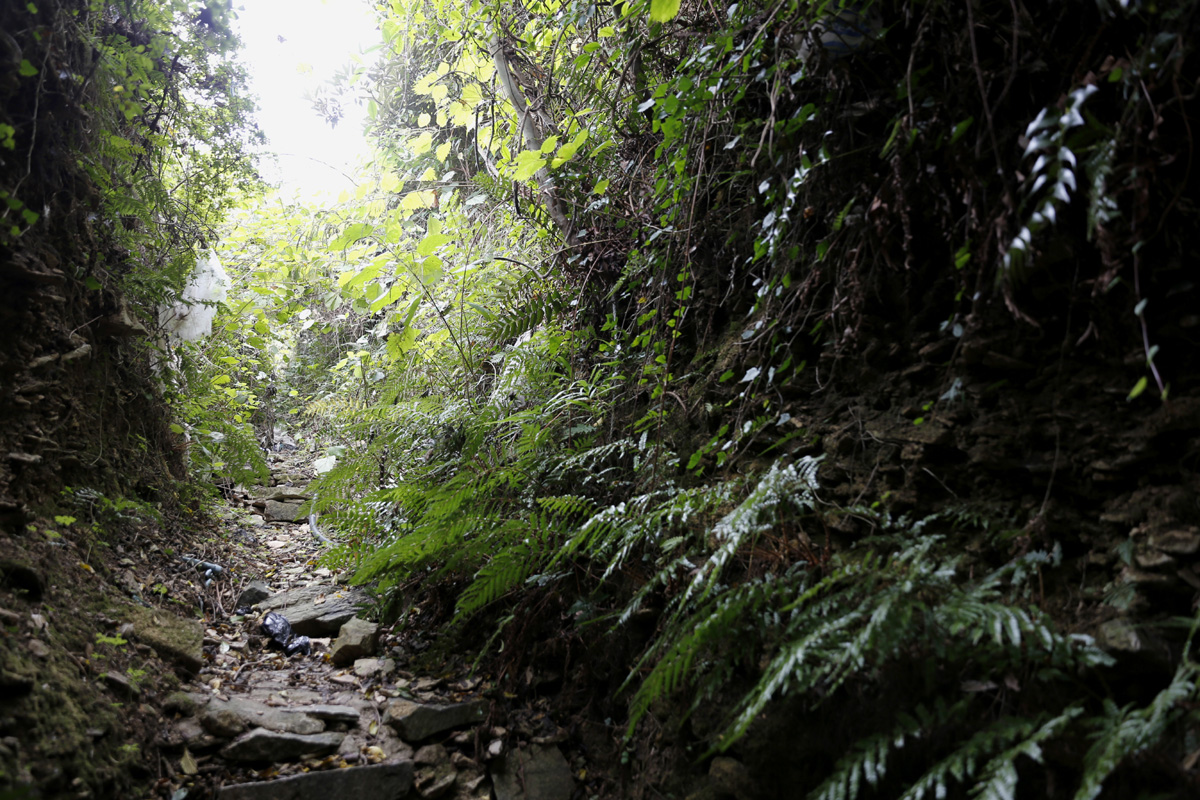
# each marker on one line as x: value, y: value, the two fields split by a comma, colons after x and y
x: 422, y: 144
x: 568, y: 150
x: 350, y: 235
x: 443, y: 150
x: 431, y: 270
x: 663, y: 10
x: 416, y: 200
x: 387, y: 298
x: 429, y: 245
x: 528, y: 164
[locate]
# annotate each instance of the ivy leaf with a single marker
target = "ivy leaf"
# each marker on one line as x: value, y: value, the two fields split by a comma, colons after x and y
x: 663, y: 10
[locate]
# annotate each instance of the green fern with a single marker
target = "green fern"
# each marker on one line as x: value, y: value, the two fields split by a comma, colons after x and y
x: 1125, y: 732
x: 867, y: 761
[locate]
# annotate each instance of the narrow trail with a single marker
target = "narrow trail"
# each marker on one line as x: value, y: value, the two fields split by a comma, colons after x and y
x: 346, y: 713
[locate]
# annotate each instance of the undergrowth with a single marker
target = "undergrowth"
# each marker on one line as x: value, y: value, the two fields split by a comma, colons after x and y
x: 604, y: 409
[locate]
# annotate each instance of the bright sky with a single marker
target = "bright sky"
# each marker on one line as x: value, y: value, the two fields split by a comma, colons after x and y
x: 319, y: 37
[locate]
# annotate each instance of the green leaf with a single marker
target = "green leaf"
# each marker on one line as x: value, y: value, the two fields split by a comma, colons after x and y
x: 431, y: 270
x: 960, y: 129
x: 1137, y: 389
x: 91, y: 283
x: 26, y: 69
x: 350, y: 235
x: 663, y: 10
x: 528, y: 163
x: 429, y: 245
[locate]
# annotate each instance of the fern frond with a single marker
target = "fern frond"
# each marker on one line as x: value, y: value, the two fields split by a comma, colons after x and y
x: 868, y: 760
x: 999, y: 780
x: 1128, y: 731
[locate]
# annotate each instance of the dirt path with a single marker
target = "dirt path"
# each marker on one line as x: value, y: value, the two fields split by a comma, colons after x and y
x: 336, y: 711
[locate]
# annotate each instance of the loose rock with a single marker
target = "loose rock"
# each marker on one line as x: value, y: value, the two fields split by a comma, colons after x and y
x: 253, y: 594
x: 417, y: 721
x: 276, y: 511
x: 261, y: 744
x: 372, y: 667
x: 357, y: 639
x: 1178, y: 542
x: 730, y: 778
x: 121, y: 685
x: 434, y: 781
x: 536, y: 773
x: 343, y: 715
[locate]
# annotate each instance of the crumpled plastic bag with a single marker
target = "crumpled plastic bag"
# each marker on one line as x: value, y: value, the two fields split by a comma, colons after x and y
x: 279, y: 629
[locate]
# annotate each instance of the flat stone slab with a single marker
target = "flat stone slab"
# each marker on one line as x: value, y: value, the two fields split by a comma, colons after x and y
x: 535, y: 773
x: 261, y: 744
x: 316, y: 610
x: 417, y: 721
x: 381, y: 781
x: 345, y: 715
x: 231, y: 717
x: 285, y: 494
x: 175, y: 639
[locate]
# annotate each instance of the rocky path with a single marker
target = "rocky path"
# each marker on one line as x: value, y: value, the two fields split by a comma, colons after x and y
x: 329, y: 708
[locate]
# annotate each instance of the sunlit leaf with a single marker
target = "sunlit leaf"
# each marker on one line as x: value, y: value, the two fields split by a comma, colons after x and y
x: 431, y: 243
x: 527, y: 164
x: 663, y: 10
x: 416, y: 200
x: 387, y: 298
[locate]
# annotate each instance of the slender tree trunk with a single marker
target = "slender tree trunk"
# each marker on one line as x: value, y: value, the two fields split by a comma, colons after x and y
x: 530, y: 137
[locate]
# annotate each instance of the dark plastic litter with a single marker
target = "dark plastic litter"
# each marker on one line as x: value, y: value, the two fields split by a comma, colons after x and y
x: 279, y: 629
x: 300, y: 644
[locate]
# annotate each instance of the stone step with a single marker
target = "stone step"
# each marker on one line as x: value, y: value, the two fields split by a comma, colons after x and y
x: 380, y: 782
